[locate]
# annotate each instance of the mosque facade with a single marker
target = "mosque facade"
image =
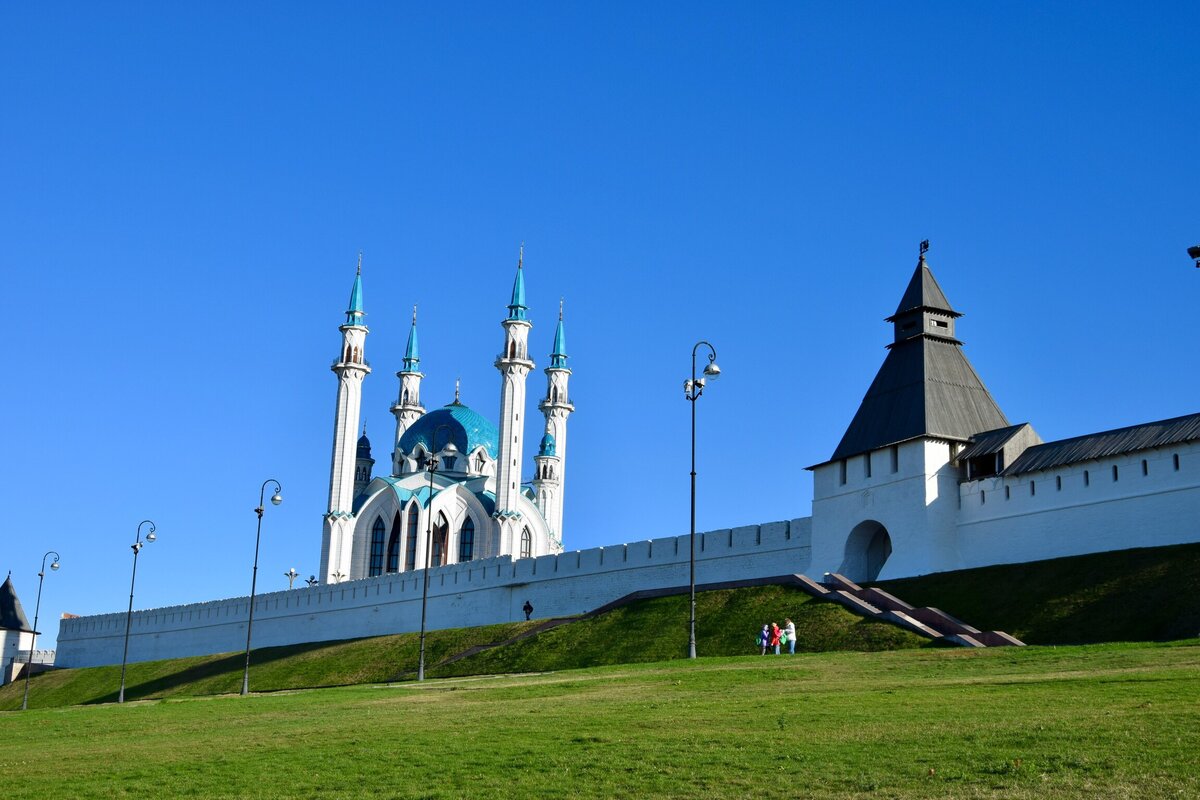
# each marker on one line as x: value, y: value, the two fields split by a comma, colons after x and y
x: 451, y: 492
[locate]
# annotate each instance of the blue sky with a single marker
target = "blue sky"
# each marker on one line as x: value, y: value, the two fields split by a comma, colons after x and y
x: 184, y: 190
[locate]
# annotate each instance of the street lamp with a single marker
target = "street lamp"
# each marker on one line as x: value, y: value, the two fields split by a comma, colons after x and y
x: 432, y: 467
x: 692, y: 389
x: 311, y: 580
x: 36, y: 610
x: 137, y: 546
x: 1194, y: 252
x: 275, y: 500
x: 291, y: 575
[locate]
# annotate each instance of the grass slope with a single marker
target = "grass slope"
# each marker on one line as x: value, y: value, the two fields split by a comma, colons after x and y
x: 1095, y: 721
x: 648, y: 630
x: 1128, y: 595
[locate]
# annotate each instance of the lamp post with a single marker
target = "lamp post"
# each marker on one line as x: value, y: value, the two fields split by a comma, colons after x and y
x: 432, y: 467
x: 36, y: 610
x: 311, y: 580
x: 692, y: 389
x: 291, y: 575
x: 137, y: 546
x: 1194, y: 252
x: 275, y: 500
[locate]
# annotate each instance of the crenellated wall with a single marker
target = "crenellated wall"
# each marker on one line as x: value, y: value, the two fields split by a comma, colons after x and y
x: 475, y: 593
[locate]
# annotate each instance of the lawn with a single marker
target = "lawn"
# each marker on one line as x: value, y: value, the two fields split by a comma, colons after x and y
x: 1119, y: 720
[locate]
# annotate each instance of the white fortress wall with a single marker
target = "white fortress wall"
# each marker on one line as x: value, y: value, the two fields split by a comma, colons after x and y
x: 1080, y: 508
x: 473, y: 593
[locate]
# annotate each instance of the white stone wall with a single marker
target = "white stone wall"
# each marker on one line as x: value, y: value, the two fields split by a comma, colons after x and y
x: 475, y: 593
x: 1063, y: 516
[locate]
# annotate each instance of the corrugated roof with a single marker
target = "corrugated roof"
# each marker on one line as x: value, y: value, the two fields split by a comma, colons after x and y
x: 1108, y: 443
x: 926, y: 387
x: 923, y: 292
x: 988, y: 442
x: 12, y: 616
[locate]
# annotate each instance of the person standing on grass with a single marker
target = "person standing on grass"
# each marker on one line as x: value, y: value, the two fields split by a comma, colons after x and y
x: 527, y: 608
x: 789, y: 630
x: 764, y: 638
x: 775, y: 636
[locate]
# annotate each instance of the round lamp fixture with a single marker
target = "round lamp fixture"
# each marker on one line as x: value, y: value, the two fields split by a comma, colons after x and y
x: 712, y: 371
x: 276, y: 499
x: 150, y: 537
x: 54, y: 566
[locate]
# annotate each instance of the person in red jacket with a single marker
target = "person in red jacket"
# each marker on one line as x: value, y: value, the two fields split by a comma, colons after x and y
x: 775, y: 636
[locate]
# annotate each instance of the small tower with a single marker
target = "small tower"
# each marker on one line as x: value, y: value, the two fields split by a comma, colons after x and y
x: 363, y: 463
x: 556, y: 406
x: 407, y: 408
x: 514, y: 365
x: 350, y: 368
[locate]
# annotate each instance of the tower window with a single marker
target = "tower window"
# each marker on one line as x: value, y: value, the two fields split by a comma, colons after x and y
x: 1058, y: 483
x: 1114, y: 472
x: 410, y: 553
x: 895, y: 455
x: 1007, y: 492
x: 1175, y: 459
x: 867, y: 464
x: 982, y: 497
x: 1087, y: 478
x: 466, y: 540
x: 842, y: 472
x: 1145, y: 467
x: 526, y: 543
x: 1032, y: 488
x: 377, y: 533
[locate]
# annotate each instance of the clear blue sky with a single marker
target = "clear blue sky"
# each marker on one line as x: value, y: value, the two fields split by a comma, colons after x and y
x: 184, y: 189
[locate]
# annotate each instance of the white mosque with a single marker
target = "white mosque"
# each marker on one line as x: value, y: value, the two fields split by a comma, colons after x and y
x: 472, y: 504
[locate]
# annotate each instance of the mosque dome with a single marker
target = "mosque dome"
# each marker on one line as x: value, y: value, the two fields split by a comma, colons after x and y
x: 364, y: 446
x: 464, y: 427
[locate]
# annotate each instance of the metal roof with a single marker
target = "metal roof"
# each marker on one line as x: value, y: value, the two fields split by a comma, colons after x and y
x: 464, y: 427
x: 1108, y: 443
x: 988, y: 442
x: 923, y: 292
x: 12, y: 616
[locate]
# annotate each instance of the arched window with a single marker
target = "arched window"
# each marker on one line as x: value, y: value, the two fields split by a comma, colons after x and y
x: 377, y: 533
x: 512, y: 349
x: 404, y: 397
x: 466, y: 540
x: 441, y: 531
x: 393, y: 550
x: 410, y: 554
x: 526, y: 543
x: 479, y: 462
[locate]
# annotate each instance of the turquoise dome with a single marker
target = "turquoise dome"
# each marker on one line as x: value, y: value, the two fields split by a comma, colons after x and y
x: 464, y: 427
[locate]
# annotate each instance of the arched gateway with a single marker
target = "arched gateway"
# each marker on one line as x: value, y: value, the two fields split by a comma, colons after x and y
x: 867, y: 549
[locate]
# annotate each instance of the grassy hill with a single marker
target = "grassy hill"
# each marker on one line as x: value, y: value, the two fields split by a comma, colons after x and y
x: 647, y: 630
x: 1096, y: 721
x: 1147, y: 594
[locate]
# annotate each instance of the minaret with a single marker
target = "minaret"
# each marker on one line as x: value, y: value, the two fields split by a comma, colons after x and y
x: 363, y: 463
x: 556, y: 406
x: 514, y: 366
x: 350, y: 368
x: 407, y: 408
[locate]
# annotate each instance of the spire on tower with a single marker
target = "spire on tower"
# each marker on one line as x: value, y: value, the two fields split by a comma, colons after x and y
x: 517, y: 307
x: 457, y: 388
x: 412, y: 360
x: 355, y: 313
x: 558, y: 356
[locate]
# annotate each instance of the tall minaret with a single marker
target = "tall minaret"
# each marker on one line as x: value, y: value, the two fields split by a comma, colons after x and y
x: 408, y: 408
x: 350, y: 369
x: 514, y: 364
x: 556, y: 405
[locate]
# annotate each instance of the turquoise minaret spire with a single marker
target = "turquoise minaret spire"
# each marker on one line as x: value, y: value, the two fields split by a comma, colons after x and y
x: 355, y: 313
x: 558, y: 356
x: 517, y: 307
x: 412, y: 361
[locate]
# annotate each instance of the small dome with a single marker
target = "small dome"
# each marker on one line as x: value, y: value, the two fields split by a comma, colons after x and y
x: 364, y: 446
x: 465, y: 429
x: 547, y: 446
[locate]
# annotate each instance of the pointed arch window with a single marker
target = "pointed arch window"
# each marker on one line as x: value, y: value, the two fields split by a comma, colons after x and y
x: 466, y: 540
x: 377, y: 533
x: 393, y: 549
x: 480, y: 462
x: 441, y: 531
x: 526, y: 543
x: 410, y: 553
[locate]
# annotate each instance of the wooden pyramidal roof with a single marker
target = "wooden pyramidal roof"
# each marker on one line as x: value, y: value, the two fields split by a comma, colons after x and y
x: 12, y: 616
x: 926, y: 387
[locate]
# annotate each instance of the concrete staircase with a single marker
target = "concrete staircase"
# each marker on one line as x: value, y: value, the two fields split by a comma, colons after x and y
x: 878, y: 604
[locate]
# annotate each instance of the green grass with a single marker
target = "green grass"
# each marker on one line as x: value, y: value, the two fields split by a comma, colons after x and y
x: 648, y: 630
x: 1096, y: 721
x: 1147, y: 594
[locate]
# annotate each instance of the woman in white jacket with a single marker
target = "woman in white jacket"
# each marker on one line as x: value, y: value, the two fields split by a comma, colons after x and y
x: 789, y: 628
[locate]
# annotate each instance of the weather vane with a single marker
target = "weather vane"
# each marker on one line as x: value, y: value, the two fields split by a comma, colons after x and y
x: 924, y: 246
